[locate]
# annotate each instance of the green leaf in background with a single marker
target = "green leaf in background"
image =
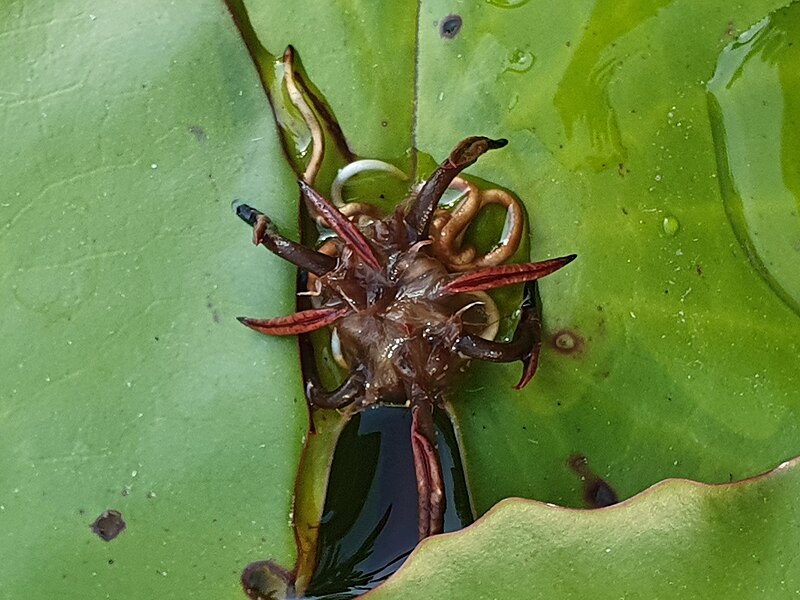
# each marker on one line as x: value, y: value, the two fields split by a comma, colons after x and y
x: 668, y: 354
x: 679, y: 539
x: 126, y: 381
x: 672, y: 342
x: 754, y: 115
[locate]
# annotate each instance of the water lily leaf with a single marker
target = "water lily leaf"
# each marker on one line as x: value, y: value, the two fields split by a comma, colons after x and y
x: 677, y: 539
x: 127, y: 383
x: 627, y: 177
x: 669, y: 353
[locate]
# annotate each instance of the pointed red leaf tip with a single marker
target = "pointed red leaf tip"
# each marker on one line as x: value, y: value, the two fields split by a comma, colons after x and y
x: 347, y: 232
x: 496, y: 277
x: 529, y: 366
x: 300, y: 322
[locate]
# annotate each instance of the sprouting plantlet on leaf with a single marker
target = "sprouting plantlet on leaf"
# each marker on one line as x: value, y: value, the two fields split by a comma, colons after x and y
x: 407, y: 306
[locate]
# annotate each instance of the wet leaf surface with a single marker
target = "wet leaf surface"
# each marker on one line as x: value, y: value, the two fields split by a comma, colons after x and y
x: 677, y: 539
x: 672, y: 341
x: 668, y: 355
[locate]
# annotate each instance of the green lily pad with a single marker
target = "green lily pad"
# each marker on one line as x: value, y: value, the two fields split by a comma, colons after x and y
x: 127, y: 383
x: 677, y: 539
x: 658, y: 365
x: 668, y: 354
x: 753, y: 107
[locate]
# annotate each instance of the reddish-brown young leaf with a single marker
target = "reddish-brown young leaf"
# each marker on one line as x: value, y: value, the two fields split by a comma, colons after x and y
x: 503, y: 275
x: 428, y: 469
x: 347, y: 232
x: 530, y: 365
x: 300, y: 322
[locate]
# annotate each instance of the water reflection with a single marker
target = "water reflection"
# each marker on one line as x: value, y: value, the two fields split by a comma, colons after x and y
x: 369, y: 525
x: 754, y: 101
x: 582, y: 99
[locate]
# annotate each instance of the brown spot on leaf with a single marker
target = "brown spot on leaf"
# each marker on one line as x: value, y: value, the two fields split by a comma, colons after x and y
x: 597, y: 493
x: 213, y: 310
x: 567, y: 342
x: 266, y: 580
x: 450, y: 26
x: 198, y: 132
x: 108, y: 525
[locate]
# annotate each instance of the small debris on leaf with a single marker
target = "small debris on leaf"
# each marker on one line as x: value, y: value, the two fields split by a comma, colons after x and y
x: 109, y: 525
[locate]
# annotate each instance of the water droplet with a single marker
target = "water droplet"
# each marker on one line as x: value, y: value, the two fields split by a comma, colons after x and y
x: 671, y: 225
x: 507, y: 3
x: 519, y: 61
x: 757, y: 141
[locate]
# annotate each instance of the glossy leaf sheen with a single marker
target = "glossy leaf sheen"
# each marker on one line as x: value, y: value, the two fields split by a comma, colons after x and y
x: 679, y: 539
x: 129, y: 129
x: 666, y: 354
x: 657, y: 362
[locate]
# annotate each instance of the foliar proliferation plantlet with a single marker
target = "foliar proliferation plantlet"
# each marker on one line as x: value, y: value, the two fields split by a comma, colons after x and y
x: 407, y: 304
